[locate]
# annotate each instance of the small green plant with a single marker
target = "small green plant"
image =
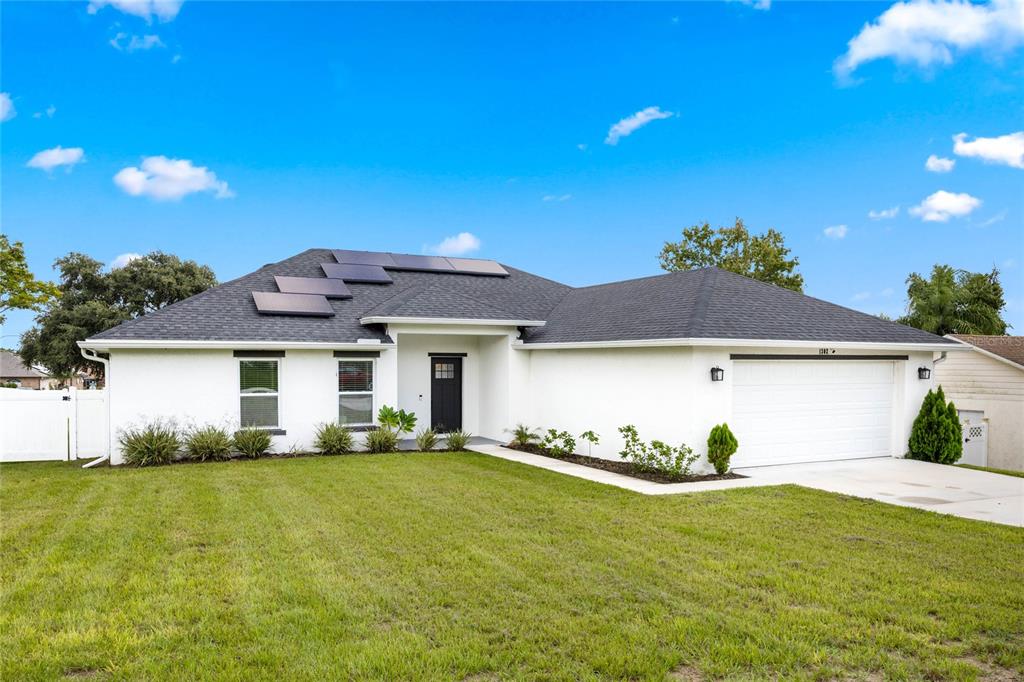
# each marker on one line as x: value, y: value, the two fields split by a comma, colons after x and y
x: 656, y: 456
x: 936, y: 435
x: 381, y: 440
x: 333, y: 439
x: 252, y: 442
x: 9, y: 384
x: 721, y: 446
x: 591, y: 438
x: 208, y: 443
x: 150, y: 444
x: 398, y: 421
x: 456, y: 441
x: 523, y: 436
x: 426, y: 440
x: 559, y: 443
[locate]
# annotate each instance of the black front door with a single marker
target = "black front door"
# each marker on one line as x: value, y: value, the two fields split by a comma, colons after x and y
x: 445, y: 394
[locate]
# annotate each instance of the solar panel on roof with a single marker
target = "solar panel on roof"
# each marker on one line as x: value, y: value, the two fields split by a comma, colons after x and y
x: 365, y: 274
x: 475, y: 266
x: 331, y: 288
x: 348, y: 257
x: 424, y: 263
x: 307, y: 305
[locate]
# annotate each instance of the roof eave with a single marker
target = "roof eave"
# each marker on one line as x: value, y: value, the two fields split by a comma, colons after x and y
x: 463, y: 321
x: 104, y: 345
x: 994, y: 356
x: 770, y: 343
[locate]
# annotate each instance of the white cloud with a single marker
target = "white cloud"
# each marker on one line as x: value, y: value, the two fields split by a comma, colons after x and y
x: 164, y: 10
x: 939, y: 164
x: 927, y: 32
x: 888, y: 291
x: 997, y: 218
x: 163, y: 179
x: 943, y: 205
x: 582, y: 147
x: 836, y: 231
x: 885, y: 213
x: 459, y: 245
x: 48, y: 159
x: 1005, y: 149
x: 631, y: 124
x: 556, y: 197
x: 49, y: 112
x: 7, y: 110
x: 862, y: 296
x: 136, y: 43
x: 763, y: 5
x: 123, y: 260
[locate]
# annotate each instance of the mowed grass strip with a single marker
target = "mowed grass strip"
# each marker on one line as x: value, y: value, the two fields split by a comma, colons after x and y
x: 453, y: 566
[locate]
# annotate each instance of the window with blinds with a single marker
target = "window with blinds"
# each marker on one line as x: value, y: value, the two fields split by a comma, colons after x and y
x: 355, y: 392
x: 258, y: 393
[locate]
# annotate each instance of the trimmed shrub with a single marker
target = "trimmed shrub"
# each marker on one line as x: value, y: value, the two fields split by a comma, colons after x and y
x: 381, y: 440
x: 721, y: 446
x: 523, y: 436
x: 150, y: 444
x: 936, y: 435
x: 656, y: 456
x: 426, y: 440
x: 559, y: 443
x: 252, y: 442
x: 208, y: 443
x: 456, y: 441
x: 333, y: 439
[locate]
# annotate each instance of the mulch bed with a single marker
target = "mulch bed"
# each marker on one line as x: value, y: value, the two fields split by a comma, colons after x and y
x: 624, y: 468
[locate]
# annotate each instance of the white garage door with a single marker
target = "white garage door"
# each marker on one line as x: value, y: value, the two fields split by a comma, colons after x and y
x: 811, y: 410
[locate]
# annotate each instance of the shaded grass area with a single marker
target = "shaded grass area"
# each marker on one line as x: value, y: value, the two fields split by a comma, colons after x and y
x: 454, y: 566
x: 993, y: 470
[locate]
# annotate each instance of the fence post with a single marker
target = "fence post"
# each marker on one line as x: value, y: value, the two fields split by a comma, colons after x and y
x: 72, y: 423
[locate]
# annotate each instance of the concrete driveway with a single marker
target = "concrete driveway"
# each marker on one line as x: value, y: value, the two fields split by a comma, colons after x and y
x: 909, y: 483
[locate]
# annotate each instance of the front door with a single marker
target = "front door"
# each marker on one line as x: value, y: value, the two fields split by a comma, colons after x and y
x: 445, y: 394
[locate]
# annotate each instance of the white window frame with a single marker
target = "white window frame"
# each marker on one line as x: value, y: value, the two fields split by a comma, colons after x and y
x: 372, y: 392
x: 242, y: 396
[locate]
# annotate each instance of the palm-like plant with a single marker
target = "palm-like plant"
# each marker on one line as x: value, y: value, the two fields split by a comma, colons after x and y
x: 955, y: 302
x: 523, y: 435
x: 398, y: 421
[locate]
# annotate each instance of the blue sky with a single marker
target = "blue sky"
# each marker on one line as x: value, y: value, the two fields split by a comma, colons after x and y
x: 241, y: 133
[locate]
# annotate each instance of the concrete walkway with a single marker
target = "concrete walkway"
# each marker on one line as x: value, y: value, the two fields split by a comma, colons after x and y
x: 904, y: 482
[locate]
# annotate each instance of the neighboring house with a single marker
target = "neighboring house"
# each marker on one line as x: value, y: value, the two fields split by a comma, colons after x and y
x: 329, y: 336
x: 987, y: 387
x: 14, y: 371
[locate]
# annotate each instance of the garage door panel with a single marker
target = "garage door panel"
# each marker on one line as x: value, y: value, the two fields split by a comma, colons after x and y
x: 802, y: 411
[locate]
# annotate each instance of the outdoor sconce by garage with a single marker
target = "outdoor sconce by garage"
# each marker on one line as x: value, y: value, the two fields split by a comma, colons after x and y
x: 924, y: 373
x: 717, y: 374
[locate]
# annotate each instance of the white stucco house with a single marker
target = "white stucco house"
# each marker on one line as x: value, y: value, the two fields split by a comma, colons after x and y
x: 331, y: 335
x: 987, y: 387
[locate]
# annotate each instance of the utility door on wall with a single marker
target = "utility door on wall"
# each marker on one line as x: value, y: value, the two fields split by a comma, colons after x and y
x: 445, y: 393
x: 975, y: 430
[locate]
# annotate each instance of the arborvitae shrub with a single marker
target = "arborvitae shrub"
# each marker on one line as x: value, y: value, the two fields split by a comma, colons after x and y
x: 936, y: 435
x: 721, y: 446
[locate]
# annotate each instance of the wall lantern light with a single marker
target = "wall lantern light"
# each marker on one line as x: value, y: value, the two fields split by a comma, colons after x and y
x: 717, y: 374
x: 923, y: 373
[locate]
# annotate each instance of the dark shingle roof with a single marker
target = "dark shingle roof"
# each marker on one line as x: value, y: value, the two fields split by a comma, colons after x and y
x: 705, y: 303
x: 228, y: 313
x: 1008, y: 347
x: 714, y: 304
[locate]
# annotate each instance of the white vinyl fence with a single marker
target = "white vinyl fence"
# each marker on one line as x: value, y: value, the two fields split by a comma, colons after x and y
x: 52, y: 425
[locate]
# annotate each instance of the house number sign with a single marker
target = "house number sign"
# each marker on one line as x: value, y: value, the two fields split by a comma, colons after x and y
x: 826, y: 351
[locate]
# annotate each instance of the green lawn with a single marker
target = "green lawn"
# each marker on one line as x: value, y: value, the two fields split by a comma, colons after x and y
x: 456, y: 566
x: 993, y: 470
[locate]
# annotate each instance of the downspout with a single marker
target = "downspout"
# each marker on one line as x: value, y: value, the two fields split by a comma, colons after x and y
x: 89, y: 354
x: 941, y: 358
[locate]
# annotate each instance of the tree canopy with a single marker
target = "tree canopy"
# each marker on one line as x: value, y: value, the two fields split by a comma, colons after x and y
x: 92, y: 300
x: 955, y: 302
x: 763, y: 257
x: 19, y: 289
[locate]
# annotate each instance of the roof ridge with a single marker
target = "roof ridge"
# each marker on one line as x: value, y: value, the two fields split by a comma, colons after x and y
x: 700, y: 308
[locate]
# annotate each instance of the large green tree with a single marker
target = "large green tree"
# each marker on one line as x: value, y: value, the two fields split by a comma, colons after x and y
x: 761, y: 256
x: 19, y: 289
x: 92, y: 300
x: 955, y: 302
